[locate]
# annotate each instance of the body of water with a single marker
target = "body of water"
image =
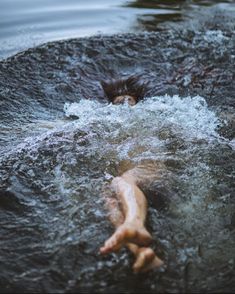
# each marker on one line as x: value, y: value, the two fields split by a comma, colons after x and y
x: 61, y: 143
x: 25, y: 23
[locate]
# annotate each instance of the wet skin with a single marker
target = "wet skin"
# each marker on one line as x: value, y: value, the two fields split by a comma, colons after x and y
x: 125, y: 98
x: 130, y: 223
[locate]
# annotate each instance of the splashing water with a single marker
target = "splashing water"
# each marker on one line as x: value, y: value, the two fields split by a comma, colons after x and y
x: 191, y: 115
x: 67, y: 167
x: 140, y: 126
x: 158, y: 128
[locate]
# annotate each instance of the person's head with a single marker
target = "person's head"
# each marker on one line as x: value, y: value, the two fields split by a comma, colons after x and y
x: 127, y: 90
x: 125, y: 99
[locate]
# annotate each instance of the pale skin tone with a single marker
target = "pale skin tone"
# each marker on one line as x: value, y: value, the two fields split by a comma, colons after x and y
x: 125, y: 98
x: 130, y: 220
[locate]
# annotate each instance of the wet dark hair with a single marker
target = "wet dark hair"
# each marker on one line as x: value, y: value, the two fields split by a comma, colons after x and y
x: 132, y: 86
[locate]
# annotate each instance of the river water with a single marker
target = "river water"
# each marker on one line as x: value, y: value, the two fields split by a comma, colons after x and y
x: 61, y: 143
x: 25, y: 23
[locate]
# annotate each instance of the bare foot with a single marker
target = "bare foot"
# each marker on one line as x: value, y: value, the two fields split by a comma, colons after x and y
x: 146, y: 260
x: 126, y: 233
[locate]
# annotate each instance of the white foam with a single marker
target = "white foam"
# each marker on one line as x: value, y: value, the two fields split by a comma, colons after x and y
x: 187, y: 117
x: 136, y: 132
x: 215, y: 36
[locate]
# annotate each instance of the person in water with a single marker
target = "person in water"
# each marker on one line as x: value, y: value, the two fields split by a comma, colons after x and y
x: 129, y: 219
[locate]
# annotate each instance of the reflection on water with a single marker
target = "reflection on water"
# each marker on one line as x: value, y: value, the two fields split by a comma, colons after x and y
x: 172, y: 11
x: 173, y: 4
x: 27, y: 23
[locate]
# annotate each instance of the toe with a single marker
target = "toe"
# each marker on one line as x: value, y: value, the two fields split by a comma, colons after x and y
x: 139, y: 263
x: 149, y: 255
x: 155, y: 263
x: 146, y: 260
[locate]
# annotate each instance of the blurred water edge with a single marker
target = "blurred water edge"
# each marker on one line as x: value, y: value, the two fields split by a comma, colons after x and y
x: 59, y: 146
x: 25, y: 23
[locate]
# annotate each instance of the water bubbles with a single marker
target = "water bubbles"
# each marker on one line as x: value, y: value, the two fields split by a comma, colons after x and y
x: 31, y: 173
x: 215, y: 36
x: 108, y: 176
x: 188, y: 117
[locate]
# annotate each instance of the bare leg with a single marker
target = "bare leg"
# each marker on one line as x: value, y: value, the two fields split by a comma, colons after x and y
x: 135, y: 208
x: 145, y: 256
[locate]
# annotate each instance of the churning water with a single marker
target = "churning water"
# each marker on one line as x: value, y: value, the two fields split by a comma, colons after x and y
x: 66, y: 169
x: 61, y: 144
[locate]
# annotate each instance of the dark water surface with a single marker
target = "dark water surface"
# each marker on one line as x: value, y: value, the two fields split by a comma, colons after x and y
x: 61, y: 143
x: 26, y: 23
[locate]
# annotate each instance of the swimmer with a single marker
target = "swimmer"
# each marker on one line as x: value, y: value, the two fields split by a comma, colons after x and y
x: 129, y: 221
x: 130, y: 90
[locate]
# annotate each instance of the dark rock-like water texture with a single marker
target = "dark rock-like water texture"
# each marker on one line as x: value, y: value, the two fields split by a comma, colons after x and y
x: 53, y: 168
